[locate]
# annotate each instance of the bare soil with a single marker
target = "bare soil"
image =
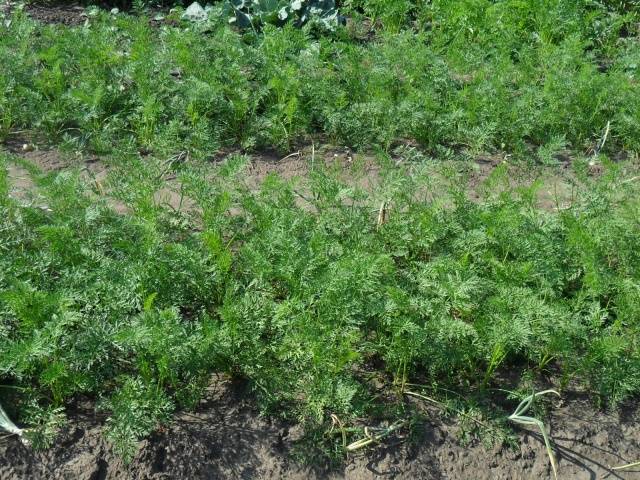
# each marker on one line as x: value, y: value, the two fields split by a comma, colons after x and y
x: 359, y: 170
x: 69, y: 15
x: 75, y: 14
x: 63, y: 14
x: 227, y: 438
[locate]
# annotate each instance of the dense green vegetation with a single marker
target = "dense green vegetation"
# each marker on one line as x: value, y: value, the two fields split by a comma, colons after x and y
x: 475, y: 74
x: 298, y: 287
x: 305, y: 298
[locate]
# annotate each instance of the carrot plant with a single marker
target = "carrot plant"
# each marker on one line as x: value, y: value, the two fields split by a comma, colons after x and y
x: 466, y: 75
x: 301, y: 290
x: 308, y: 289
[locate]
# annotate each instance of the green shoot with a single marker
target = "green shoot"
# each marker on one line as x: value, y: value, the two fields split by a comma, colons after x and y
x: 518, y: 417
x: 374, y: 435
x: 626, y: 467
x: 7, y: 425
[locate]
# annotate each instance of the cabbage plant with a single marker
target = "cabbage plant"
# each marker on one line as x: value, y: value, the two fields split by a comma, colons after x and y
x: 254, y: 13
